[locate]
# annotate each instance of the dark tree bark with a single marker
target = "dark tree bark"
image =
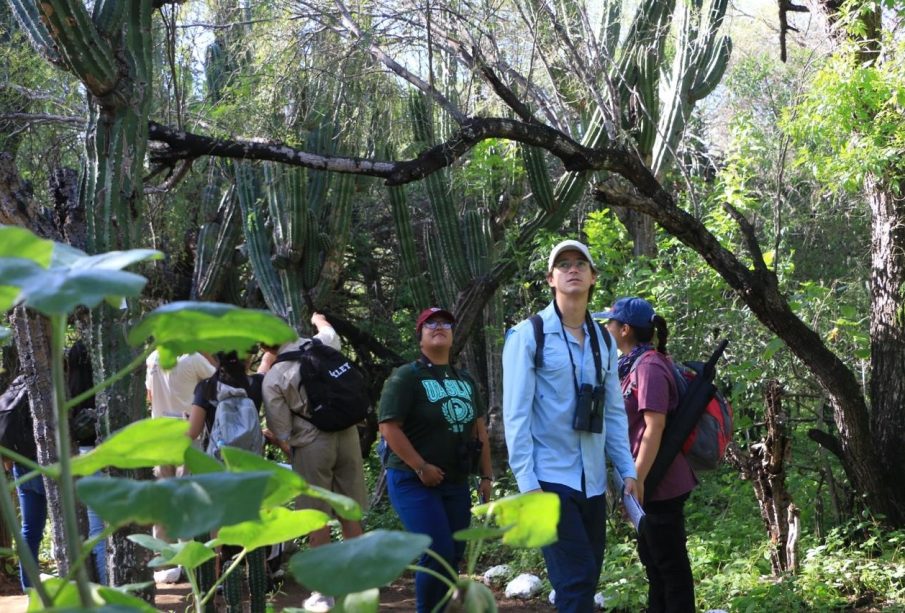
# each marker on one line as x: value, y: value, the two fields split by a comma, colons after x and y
x: 764, y: 464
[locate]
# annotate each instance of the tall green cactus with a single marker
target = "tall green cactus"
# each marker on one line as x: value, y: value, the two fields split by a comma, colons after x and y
x: 296, y: 227
x: 109, y: 51
x: 698, y: 67
x: 217, y: 241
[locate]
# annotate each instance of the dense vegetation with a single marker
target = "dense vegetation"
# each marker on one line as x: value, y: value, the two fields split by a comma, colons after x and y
x: 776, y: 188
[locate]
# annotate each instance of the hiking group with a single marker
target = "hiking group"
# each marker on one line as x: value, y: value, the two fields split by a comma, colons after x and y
x: 575, y: 392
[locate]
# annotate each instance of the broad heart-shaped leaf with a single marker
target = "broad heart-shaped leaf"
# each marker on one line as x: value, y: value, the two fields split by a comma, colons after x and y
x: 186, y: 507
x: 145, y: 443
x: 344, y: 506
x: 74, y: 278
x: 367, y: 601
x: 284, y: 484
x: 199, y: 463
x: 119, y: 598
x: 185, y: 327
x: 148, y: 542
x: 57, y: 291
x: 275, y: 526
x: 529, y: 519
x: 479, y: 532
x: 369, y: 561
x: 18, y: 242
x: 189, y: 554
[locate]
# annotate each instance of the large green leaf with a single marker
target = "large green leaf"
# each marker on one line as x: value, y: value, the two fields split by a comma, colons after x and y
x: 188, y: 554
x: 18, y: 242
x: 529, y: 519
x: 186, y: 506
x: 275, y: 526
x: 284, y: 484
x: 58, y: 291
x: 199, y: 463
x: 114, y: 596
x: 367, y: 601
x: 344, y: 506
x: 145, y: 443
x: 185, y: 327
x: 370, y: 561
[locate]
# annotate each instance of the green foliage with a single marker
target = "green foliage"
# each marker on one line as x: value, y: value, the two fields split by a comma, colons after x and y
x: 529, y: 520
x: 369, y: 561
x: 183, y: 327
x: 849, y: 124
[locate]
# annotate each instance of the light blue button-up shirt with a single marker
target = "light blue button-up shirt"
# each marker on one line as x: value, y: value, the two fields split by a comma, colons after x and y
x: 539, y: 405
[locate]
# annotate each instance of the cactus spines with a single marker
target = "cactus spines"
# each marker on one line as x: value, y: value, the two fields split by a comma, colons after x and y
x: 413, y: 272
x: 217, y: 242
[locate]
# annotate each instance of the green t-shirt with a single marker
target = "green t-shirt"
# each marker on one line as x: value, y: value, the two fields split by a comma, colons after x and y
x: 437, y: 407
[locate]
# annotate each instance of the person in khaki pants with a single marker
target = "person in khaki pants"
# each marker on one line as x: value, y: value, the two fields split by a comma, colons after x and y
x: 331, y: 460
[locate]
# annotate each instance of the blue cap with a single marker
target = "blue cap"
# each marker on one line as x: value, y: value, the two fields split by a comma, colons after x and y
x: 636, y: 312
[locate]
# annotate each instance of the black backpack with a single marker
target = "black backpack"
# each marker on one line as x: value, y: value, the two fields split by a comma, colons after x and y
x: 336, y: 390
x: 16, y: 429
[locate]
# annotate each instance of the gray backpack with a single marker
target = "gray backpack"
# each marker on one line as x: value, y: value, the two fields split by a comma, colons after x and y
x: 236, y: 422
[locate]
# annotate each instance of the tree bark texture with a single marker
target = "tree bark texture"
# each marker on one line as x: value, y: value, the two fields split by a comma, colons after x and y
x: 764, y: 464
x: 887, y: 336
x: 32, y: 334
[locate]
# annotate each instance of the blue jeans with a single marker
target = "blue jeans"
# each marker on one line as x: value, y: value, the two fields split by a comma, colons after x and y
x: 95, y: 527
x: 662, y: 549
x: 575, y: 560
x: 437, y: 512
x: 33, y: 506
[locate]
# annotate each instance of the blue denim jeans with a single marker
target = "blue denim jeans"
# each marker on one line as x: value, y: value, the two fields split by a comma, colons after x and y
x: 95, y: 527
x: 437, y: 512
x: 575, y: 560
x: 33, y: 507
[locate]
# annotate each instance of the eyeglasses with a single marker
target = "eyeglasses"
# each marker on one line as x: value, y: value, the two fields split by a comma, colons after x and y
x: 439, y: 325
x: 566, y: 265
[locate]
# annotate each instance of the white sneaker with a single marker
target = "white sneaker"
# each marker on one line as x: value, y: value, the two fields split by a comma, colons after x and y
x: 168, y: 575
x: 318, y: 603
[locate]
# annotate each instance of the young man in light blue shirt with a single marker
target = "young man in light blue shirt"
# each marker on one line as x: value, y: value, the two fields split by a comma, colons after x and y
x: 563, y: 414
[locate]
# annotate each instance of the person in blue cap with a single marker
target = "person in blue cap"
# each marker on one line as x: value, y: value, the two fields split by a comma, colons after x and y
x: 563, y: 414
x: 651, y: 394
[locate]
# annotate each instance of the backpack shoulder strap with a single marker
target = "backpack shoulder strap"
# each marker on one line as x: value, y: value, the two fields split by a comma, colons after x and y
x: 538, y: 325
x: 607, y: 339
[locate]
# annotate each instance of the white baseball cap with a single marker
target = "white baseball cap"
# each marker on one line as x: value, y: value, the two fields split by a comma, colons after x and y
x: 570, y: 245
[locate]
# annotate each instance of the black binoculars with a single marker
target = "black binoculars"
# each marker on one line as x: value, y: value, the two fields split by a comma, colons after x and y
x: 589, y: 409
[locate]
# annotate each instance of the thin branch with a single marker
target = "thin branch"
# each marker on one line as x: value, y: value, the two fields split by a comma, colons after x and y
x: 750, y: 236
x: 30, y: 118
x: 173, y: 179
x: 381, y: 56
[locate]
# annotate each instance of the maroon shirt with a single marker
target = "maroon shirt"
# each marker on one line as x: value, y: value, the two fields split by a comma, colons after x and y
x: 651, y: 387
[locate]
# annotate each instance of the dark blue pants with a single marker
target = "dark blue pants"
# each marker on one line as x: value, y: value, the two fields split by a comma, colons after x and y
x: 437, y: 512
x: 575, y: 560
x: 661, y: 547
x: 33, y: 506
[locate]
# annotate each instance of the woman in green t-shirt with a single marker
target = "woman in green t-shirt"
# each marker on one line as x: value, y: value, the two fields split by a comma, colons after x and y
x: 431, y: 416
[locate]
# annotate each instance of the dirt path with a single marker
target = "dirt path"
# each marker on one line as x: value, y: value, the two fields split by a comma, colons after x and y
x: 400, y: 596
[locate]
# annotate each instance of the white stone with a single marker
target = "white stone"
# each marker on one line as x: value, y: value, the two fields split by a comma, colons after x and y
x: 552, y: 597
x: 523, y: 586
x: 496, y: 574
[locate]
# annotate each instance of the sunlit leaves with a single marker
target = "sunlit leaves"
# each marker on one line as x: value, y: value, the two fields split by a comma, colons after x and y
x: 186, y: 327
x: 186, y: 507
x: 529, y: 519
x: 276, y: 525
x: 143, y: 444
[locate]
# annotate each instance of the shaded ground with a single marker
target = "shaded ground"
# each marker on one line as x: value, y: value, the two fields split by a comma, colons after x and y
x: 400, y: 596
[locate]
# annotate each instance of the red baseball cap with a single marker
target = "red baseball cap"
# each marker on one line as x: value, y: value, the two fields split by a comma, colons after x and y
x: 430, y: 312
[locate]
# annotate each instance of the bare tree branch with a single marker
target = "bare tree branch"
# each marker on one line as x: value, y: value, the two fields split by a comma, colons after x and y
x: 381, y: 56
x: 750, y: 235
x: 178, y: 145
x: 30, y: 118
